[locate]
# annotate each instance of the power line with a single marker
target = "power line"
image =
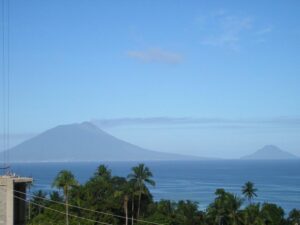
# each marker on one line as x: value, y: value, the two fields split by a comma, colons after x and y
x: 57, y: 211
x: 6, y: 83
x: 63, y: 213
x: 90, y: 210
x: 3, y: 80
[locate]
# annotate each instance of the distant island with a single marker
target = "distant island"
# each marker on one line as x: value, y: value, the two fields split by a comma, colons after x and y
x: 84, y: 142
x: 270, y: 152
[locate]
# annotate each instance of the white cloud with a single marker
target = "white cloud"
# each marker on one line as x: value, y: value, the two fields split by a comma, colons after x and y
x: 156, y: 55
x: 169, y: 121
x: 264, y: 31
x: 223, y: 29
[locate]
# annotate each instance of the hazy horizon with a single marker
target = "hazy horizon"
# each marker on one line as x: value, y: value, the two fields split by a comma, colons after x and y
x: 213, y: 79
x: 269, y: 151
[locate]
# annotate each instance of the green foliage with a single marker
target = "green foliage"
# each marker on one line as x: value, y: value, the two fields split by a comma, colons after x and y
x: 249, y: 191
x: 272, y: 214
x: 130, y: 198
x: 226, y: 209
x: 252, y: 215
x: 140, y: 176
x: 294, y: 217
x: 64, y: 180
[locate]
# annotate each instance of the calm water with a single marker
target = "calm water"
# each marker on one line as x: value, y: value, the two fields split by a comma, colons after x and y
x: 277, y: 181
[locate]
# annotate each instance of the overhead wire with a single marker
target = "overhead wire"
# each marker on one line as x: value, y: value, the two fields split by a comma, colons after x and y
x: 55, y: 210
x: 3, y: 82
x: 6, y: 84
x: 90, y: 210
x: 63, y: 213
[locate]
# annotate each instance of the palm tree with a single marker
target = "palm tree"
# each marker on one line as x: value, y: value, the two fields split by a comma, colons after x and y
x: 234, y: 204
x: 132, y: 192
x: 294, y: 217
x: 38, y: 200
x: 252, y: 215
x: 65, y: 180
x: 226, y: 209
x: 124, y: 195
x: 103, y: 172
x: 140, y: 176
x: 249, y: 191
x: 125, y: 205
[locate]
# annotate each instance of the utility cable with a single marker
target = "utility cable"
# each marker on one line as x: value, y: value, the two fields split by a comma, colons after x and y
x: 57, y: 211
x: 90, y: 210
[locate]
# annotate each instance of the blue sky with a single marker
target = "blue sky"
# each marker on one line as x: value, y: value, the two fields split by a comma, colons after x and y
x: 211, y: 78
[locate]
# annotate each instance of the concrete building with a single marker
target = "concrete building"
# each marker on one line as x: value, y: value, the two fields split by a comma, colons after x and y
x: 13, y: 209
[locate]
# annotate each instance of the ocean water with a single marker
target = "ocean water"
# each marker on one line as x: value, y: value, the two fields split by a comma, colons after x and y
x: 277, y: 181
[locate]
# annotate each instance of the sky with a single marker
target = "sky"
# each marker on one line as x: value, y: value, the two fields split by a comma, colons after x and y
x: 207, y: 78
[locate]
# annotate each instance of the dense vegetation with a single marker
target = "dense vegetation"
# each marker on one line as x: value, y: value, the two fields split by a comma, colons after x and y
x: 132, y: 201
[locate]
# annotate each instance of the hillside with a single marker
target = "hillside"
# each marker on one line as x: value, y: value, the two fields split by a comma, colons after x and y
x: 83, y: 142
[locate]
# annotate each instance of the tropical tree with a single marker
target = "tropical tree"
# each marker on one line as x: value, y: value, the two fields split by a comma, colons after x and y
x: 140, y: 176
x: 38, y: 200
x: 252, y: 215
x: 294, y: 217
x: 226, y: 209
x: 56, y: 197
x: 131, y: 198
x: 133, y: 193
x: 234, y: 204
x: 103, y: 172
x: 272, y: 214
x: 187, y: 213
x: 123, y: 193
x: 65, y: 180
x: 249, y: 191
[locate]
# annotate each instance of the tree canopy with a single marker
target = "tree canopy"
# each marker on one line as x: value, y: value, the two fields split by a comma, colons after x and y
x: 130, y: 200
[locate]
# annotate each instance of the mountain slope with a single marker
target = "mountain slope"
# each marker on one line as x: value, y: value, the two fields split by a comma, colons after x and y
x: 270, y: 152
x: 82, y: 142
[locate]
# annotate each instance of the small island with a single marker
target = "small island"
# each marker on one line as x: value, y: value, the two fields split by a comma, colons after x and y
x: 270, y: 152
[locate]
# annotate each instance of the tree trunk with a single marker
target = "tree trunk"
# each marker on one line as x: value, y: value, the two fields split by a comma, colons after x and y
x: 39, y: 212
x: 132, y: 210
x: 126, y: 208
x: 67, y: 207
x: 29, y: 210
x: 67, y: 212
x: 138, y: 212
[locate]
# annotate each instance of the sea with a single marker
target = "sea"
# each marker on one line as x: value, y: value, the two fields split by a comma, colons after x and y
x: 277, y: 181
